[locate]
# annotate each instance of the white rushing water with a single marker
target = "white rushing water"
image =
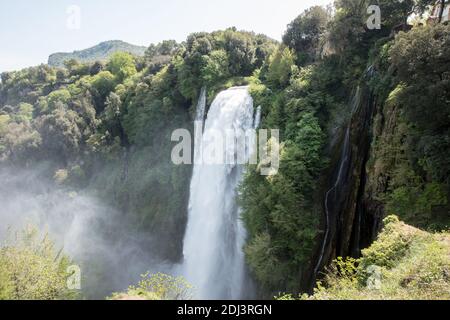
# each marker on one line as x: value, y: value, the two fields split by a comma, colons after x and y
x: 215, y: 236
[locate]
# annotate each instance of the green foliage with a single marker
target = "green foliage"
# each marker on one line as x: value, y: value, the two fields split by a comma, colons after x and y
x: 165, y: 48
x: 241, y: 51
x: 391, y: 246
x: 112, y: 114
x: 109, y: 121
x: 403, y: 263
x: 31, y: 269
x: 55, y: 97
x: 61, y: 131
x: 215, y: 67
x: 411, y: 151
x: 279, y: 211
x: 157, y: 287
x: 304, y: 33
x: 417, y: 203
x: 418, y: 58
x: 348, y: 25
x: 25, y: 112
x: 157, y: 56
x: 280, y: 68
x: 397, y: 13
x: 18, y: 141
x: 210, y: 58
x: 122, y: 65
x: 262, y: 258
x: 4, y: 120
x: 282, y: 212
x: 104, y: 82
x: 75, y: 68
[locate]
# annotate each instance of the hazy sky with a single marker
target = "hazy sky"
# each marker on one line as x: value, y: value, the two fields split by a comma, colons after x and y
x: 30, y: 30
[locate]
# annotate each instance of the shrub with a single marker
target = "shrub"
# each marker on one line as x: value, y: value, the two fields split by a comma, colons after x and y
x: 31, y: 269
x: 157, y: 287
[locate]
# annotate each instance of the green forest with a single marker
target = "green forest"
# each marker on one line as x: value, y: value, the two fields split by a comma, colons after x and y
x: 373, y: 103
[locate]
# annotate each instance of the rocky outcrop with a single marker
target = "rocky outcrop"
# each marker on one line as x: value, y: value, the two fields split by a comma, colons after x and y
x: 352, y: 217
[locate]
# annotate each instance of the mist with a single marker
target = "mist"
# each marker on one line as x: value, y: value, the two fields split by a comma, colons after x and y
x: 92, y: 233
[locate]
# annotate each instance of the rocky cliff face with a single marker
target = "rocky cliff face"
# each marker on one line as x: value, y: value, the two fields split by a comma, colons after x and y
x: 352, y: 213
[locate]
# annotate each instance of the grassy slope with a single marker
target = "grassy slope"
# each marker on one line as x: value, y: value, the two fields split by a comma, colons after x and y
x: 412, y: 264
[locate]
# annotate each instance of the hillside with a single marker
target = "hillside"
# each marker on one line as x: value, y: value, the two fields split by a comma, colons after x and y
x: 404, y: 263
x: 99, y: 52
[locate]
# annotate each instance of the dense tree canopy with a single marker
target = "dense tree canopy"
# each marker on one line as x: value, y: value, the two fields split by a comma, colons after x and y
x: 304, y: 33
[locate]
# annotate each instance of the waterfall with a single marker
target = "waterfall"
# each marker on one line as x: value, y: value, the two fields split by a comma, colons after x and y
x: 343, y: 220
x: 198, y: 125
x: 215, y: 235
x: 343, y: 167
x: 201, y: 106
x: 332, y: 193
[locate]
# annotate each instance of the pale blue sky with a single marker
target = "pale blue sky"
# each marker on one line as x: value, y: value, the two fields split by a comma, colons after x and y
x: 30, y: 30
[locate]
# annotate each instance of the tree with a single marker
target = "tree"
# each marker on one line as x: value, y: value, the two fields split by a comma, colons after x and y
x: 19, y: 141
x: 112, y: 114
x: 304, y: 33
x: 348, y: 25
x: 419, y: 183
x: 241, y: 52
x: 31, y: 269
x: 157, y: 56
x: 395, y: 13
x: 279, y: 211
x: 165, y: 48
x: 103, y: 82
x: 121, y: 65
x: 419, y: 60
x: 4, y: 120
x: 61, y: 132
x: 24, y: 112
x: 215, y: 67
x: 96, y: 67
x: 76, y: 68
x: 280, y: 67
x: 48, y: 104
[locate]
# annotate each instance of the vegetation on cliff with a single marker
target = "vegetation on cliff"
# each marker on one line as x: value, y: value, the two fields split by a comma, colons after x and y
x: 409, y: 166
x: 404, y: 263
x: 304, y: 89
x: 157, y: 287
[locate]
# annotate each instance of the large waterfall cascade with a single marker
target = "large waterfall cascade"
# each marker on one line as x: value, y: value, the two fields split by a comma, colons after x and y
x: 215, y: 235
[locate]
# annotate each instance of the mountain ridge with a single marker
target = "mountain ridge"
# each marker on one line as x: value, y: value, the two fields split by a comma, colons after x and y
x: 99, y: 52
